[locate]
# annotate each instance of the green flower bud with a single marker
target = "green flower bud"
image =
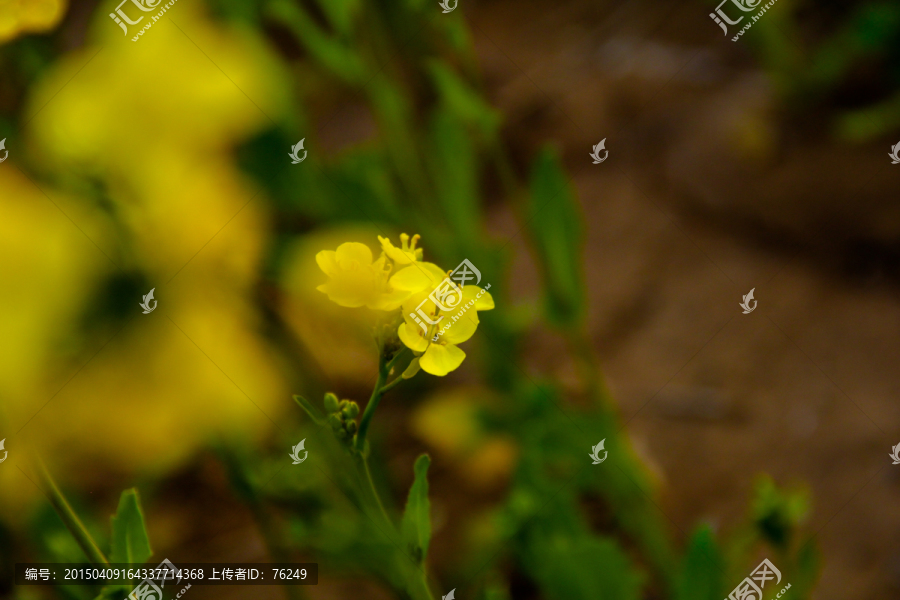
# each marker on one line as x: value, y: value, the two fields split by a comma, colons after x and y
x: 335, y: 421
x: 331, y: 403
x: 342, y: 434
x: 344, y: 404
x: 354, y: 409
x: 351, y: 427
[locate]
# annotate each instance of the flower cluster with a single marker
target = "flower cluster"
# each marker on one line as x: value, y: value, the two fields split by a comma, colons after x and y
x: 342, y: 416
x: 399, y: 280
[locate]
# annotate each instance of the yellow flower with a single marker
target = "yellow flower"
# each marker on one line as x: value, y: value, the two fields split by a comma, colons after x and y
x: 433, y: 334
x: 405, y: 255
x: 27, y: 16
x: 354, y: 280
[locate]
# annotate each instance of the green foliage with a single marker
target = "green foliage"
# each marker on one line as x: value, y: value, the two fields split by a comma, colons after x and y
x: 582, y: 567
x: 777, y: 514
x: 554, y: 221
x: 702, y: 569
x: 416, y: 525
x: 130, y: 542
x: 812, y: 70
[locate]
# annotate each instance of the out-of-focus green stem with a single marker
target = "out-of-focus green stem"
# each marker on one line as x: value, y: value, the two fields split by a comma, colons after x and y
x: 70, y: 519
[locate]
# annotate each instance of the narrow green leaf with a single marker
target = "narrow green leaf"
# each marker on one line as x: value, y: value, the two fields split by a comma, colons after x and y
x: 312, y: 411
x: 454, y: 168
x: 553, y: 217
x: 703, y: 568
x: 462, y: 100
x: 130, y: 542
x: 416, y: 524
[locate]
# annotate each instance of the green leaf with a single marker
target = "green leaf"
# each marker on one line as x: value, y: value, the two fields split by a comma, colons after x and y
x: 701, y: 574
x: 337, y: 58
x: 553, y: 217
x: 130, y: 543
x: 462, y: 101
x: 312, y: 411
x: 340, y: 13
x: 455, y: 171
x: 416, y: 524
x: 572, y: 567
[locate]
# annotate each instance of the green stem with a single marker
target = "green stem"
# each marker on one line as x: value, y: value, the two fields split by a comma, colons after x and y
x: 383, y: 371
x: 391, y: 385
x: 70, y: 519
x: 368, y: 486
x: 417, y: 585
x: 370, y: 411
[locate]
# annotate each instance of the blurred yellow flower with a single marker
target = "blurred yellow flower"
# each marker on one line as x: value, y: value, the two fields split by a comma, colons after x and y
x: 154, y: 123
x: 354, y: 280
x: 448, y: 421
x: 29, y: 16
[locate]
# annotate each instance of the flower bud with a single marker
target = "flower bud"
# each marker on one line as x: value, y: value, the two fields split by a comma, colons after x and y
x: 351, y: 427
x: 354, y: 409
x: 335, y: 421
x: 331, y: 403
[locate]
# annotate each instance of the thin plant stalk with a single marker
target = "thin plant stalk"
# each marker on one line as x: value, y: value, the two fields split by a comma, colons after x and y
x: 418, y: 586
x: 70, y: 519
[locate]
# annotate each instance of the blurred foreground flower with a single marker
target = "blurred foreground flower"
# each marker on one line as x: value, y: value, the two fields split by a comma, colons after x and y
x: 194, y: 370
x: 29, y: 16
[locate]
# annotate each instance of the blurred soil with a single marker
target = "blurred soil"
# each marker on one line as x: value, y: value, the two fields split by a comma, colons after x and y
x: 709, y: 190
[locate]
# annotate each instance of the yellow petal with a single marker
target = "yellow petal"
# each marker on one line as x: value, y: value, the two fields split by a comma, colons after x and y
x: 462, y: 328
x: 440, y: 360
x: 418, y: 277
x: 389, y: 300
x: 350, y: 252
x: 327, y: 262
x: 412, y: 338
x: 485, y: 302
x: 344, y: 293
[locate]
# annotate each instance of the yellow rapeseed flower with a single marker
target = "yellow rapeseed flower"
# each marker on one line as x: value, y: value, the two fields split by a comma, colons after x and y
x: 433, y: 334
x: 433, y: 324
x: 18, y: 17
x: 355, y: 280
